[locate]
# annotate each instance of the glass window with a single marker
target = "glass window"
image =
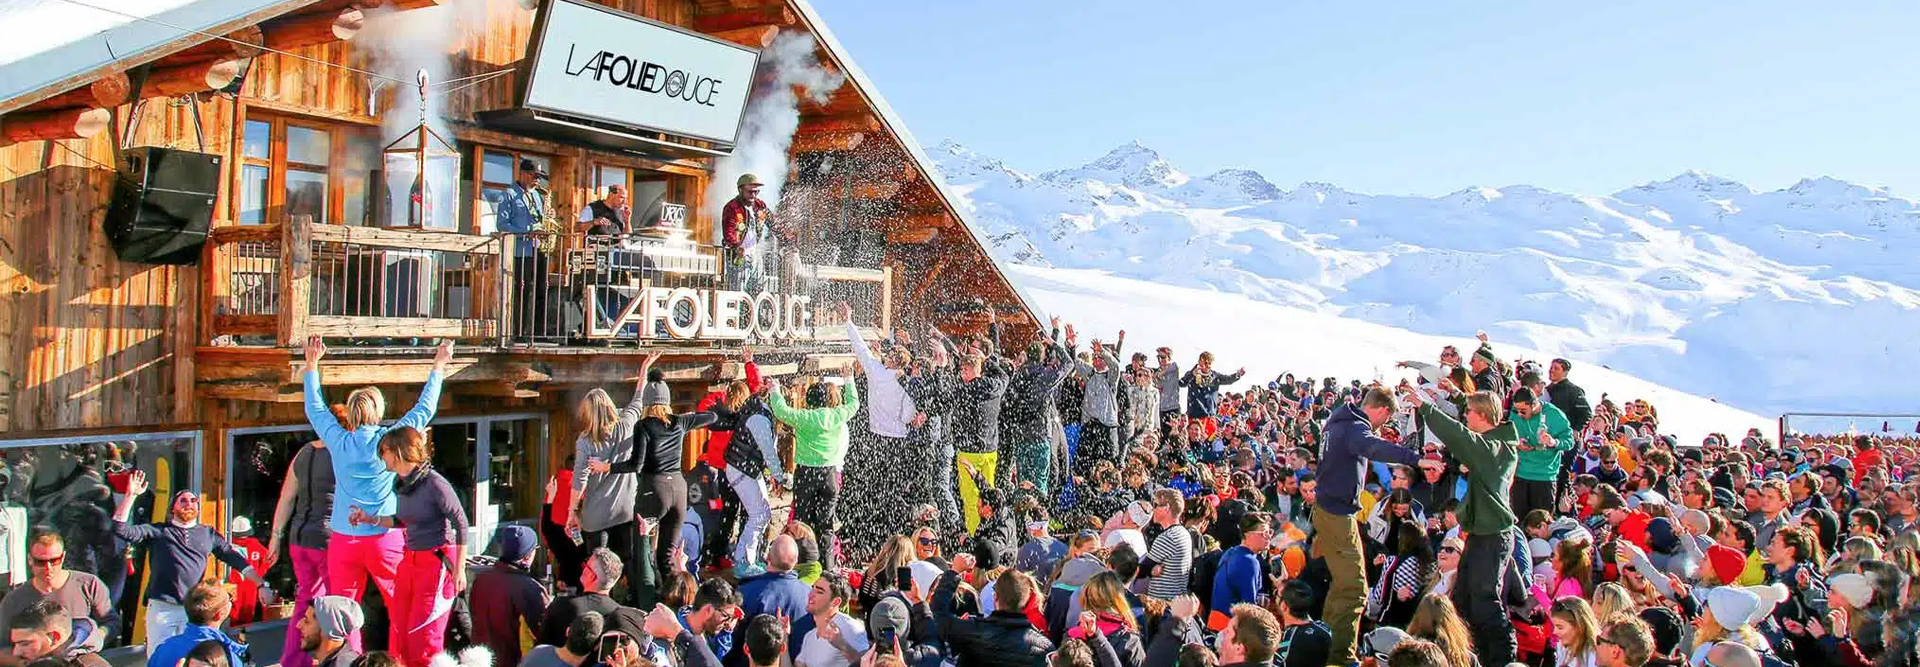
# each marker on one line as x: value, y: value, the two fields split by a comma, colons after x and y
x: 496, y: 167
x: 253, y: 194
x: 72, y: 486
x: 306, y: 145
x: 306, y: 195
x: 257, y: 140
x: 610, y: 176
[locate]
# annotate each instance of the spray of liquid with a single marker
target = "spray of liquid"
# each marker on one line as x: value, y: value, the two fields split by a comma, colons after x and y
x: 405, y: 45
x: 772, y: 117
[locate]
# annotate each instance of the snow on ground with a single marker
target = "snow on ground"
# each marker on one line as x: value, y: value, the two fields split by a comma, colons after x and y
x: 1270, y: 339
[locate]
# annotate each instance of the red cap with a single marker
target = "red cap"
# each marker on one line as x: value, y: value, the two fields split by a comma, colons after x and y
x: 1727, y: 563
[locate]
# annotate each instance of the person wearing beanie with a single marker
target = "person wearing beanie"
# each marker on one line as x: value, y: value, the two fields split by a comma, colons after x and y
x: 324, y: 629
x: 897, y: 619
x: 1727, y: 617
x: 1724, y: 567
x: 506, y: 596
x: 819, y: 446
x: 656, y: 457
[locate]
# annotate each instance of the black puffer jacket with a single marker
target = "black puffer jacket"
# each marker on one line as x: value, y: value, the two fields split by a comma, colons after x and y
x: 1001, y: 639
x: 657, y: 444
x: 975, y: 427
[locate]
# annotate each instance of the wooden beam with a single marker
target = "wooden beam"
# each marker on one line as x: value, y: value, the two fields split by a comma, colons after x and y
x: 344, y: 326
x: 874, y: 190
x: 831, y: 141
x: 191, y: 78
x: 776, y: 14
x: 265, y: 392
x: 929, y: 279
x: 844, y: 100
x: 410, y: 239
x: 107, y: 92
x: 914, y: 236
x: 759, y: 37
x: 243, y: 43
x: 75, y: 123
x: 303, y: 31
x: 500, y: 389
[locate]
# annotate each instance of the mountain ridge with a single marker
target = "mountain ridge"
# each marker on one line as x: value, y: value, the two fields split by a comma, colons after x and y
x: 1696, y: 281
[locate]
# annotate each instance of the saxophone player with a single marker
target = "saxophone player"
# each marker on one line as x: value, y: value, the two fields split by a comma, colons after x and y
x: 522, y: 212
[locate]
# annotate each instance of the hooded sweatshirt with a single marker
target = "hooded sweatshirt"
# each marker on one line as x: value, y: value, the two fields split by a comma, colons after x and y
x: 1349, y: 443
x: 819, y: 434
x: 1490, y: 458
x: 1542, y: 463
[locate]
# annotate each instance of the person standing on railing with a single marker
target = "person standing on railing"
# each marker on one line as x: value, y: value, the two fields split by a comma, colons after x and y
x: 743, y: 225
x: 361, y: 479
x: 519, y: 212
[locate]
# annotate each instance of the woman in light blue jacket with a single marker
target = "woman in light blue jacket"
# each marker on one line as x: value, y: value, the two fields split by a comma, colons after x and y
x: 361, y: 479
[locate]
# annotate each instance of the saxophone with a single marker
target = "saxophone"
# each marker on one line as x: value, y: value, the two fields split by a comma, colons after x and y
x: 549, y: 224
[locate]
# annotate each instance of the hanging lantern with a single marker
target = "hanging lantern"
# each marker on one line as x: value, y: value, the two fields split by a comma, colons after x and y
x: 421, y: 168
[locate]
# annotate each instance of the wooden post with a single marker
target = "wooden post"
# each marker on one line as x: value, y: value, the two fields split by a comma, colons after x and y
x: 886, y: 299
x: 296, y: 280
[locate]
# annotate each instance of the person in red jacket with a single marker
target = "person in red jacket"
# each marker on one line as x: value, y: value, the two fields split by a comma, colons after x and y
x: 1628, y: 523
x: 1866, y: 457
x: 724, y: 502
x: 246, y: 593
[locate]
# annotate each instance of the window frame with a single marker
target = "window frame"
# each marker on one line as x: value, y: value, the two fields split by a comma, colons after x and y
x: 340, y: 136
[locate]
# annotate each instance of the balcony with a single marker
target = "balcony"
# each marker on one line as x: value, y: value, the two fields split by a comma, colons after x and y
x: 507, y: 301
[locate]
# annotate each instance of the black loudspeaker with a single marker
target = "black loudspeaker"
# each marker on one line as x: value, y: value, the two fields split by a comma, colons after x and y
x: 162, y: 205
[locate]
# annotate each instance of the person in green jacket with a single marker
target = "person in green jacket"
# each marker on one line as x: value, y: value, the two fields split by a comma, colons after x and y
x: 1490, y: 449
x: 1545, y: 436
x: 819, y: 447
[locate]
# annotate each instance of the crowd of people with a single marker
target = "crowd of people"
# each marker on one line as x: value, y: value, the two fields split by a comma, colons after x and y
x: 963, y: 501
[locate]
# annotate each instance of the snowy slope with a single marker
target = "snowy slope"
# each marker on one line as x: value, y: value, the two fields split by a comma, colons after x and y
x: 1270, y: 339
x: 1796, y: 299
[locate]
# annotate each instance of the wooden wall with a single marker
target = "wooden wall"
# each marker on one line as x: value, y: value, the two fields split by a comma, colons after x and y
x: 88, y: 341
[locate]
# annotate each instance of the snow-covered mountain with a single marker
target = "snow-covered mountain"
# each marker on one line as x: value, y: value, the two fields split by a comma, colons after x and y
x: 1794, y: 299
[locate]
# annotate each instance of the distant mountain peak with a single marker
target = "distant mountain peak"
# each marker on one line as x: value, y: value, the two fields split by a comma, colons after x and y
x: 1240, y: 183
x: 1694, y: 180
x: 1131, y: 164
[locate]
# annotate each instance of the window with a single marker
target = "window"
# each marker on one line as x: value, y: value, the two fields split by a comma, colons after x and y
x: 493, y: 464
x: 495, y: 177
x: 306, y: 170
x: 72, y: 486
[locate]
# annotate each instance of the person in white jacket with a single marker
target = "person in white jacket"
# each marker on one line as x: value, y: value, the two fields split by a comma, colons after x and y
x: 878, y: 456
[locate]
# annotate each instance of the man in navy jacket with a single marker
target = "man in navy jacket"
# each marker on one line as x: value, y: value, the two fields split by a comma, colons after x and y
x: 1349, y: 445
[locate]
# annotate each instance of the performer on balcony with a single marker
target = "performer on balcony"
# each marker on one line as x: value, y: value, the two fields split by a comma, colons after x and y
x: 605, y: 220
x: 520, y: 212
x: 609, y: 216
x: 745, y: 224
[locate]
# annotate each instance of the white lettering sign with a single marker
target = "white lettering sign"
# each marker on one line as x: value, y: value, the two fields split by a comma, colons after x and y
x: 684, y: 313
x: 600, y: 63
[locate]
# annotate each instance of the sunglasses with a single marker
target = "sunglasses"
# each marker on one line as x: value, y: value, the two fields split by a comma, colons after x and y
x: 1449, y: 550
x: 927, y: 541
x: 50, y: 562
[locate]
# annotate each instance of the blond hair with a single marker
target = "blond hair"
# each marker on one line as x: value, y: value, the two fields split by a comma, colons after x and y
x: 1103, y: 593
x: 737, y: 393
x: 662, y: 412
x: 1484, y: 403
x: 597, y: 415
x: 366, y: 407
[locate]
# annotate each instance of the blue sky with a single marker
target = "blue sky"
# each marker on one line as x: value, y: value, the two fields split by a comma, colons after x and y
x: 1413, y: 97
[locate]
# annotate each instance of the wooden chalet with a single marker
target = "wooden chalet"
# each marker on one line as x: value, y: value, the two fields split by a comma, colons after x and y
x: 190, y: 370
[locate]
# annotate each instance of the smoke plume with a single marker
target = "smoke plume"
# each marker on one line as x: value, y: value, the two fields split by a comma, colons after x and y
x: 400, y: 45
x: 772, y: 116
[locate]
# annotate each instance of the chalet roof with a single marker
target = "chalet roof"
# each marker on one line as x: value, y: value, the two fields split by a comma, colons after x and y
x: 891, y: 120
x: 55, y: 45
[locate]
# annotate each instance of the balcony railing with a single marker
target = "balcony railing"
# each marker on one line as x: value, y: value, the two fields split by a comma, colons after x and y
x: 274, y: 285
